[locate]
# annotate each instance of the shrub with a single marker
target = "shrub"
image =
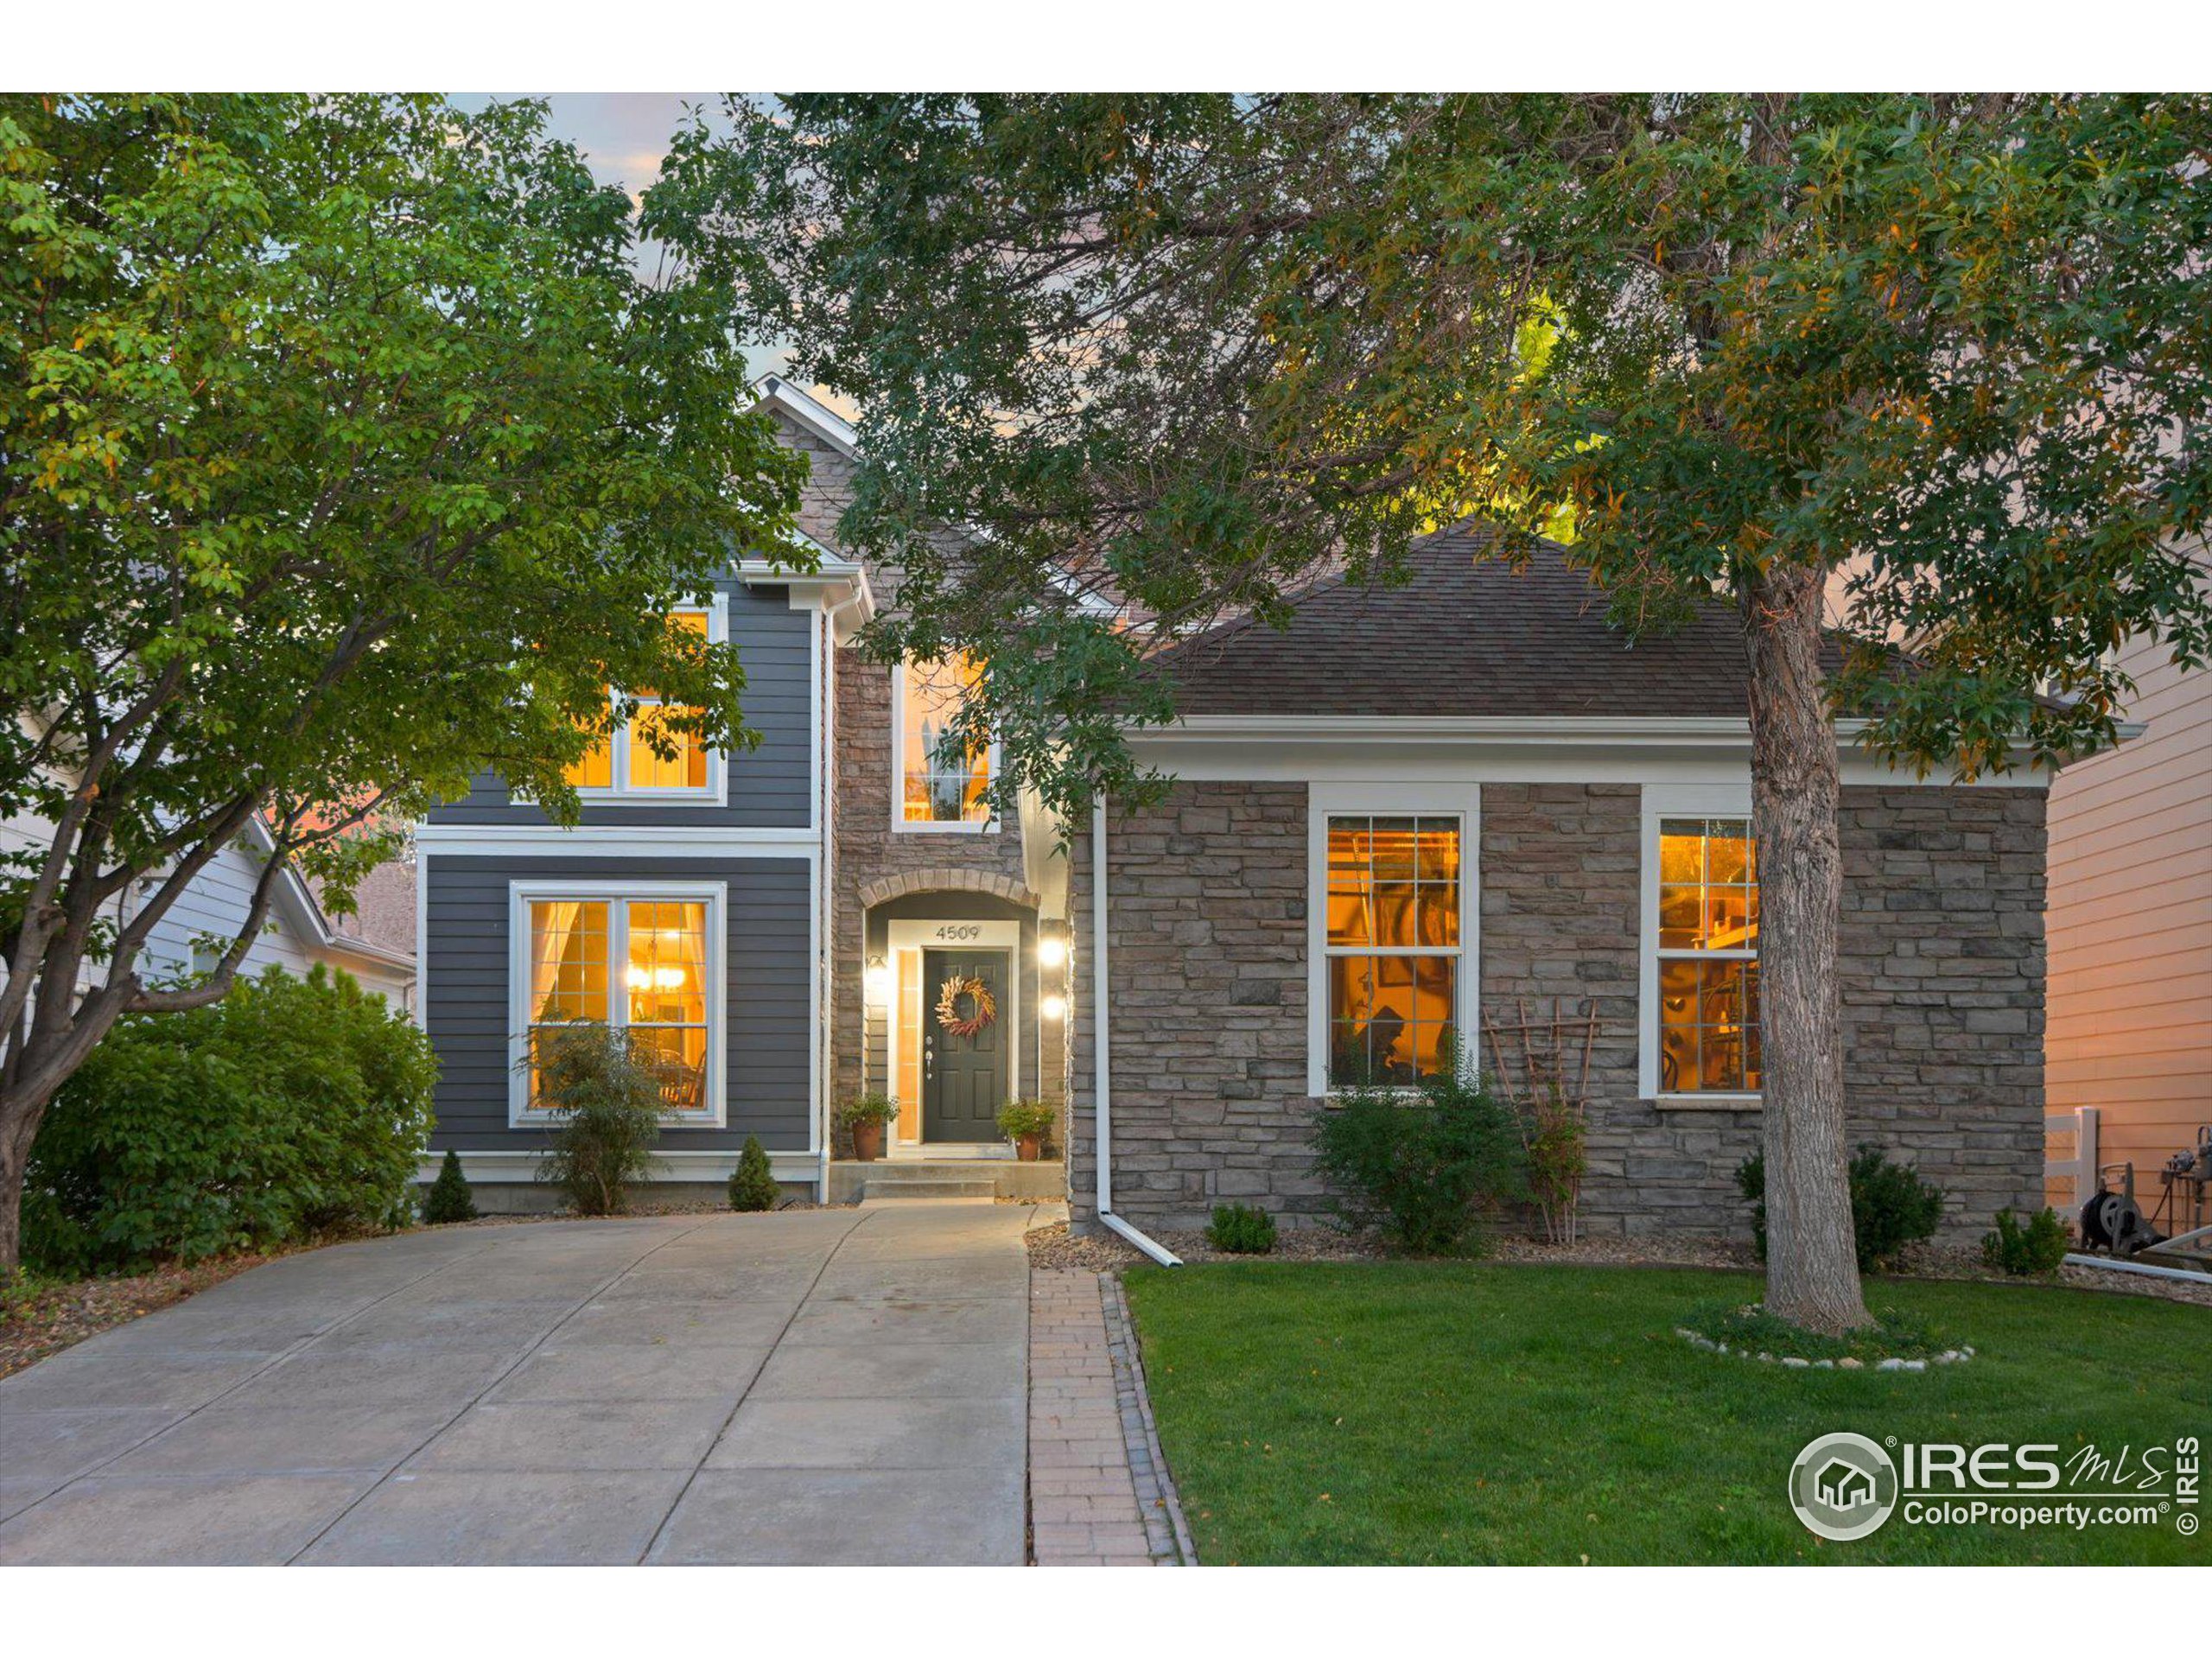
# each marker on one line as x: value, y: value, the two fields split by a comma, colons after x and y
x: 449, y: 1198
x: 2036, y: 1246
x: 1018, y: 1118
x: 1240, y: 1230
x: 1421, y: 1165
x: 753, y: 1183
x: 1554, y: 1136
x: 1890, y: 1206
x: 291, y: 1107
x: 608, y: 1103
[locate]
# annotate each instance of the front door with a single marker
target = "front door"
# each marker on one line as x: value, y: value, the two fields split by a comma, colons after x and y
x: 964, y: 1043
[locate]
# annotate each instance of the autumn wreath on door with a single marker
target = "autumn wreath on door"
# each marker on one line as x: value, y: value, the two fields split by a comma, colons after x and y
x: 982, y: 1007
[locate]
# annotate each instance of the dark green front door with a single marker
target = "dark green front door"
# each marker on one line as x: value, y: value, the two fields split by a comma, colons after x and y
x: 963, y: 1075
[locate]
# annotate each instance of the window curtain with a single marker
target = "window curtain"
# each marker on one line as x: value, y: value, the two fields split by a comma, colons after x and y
x: 552, y: 921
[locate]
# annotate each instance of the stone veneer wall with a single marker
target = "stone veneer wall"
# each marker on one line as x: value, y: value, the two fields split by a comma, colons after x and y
x: 872, y: 857
x: 1942, y: 976
x: 870, y: 860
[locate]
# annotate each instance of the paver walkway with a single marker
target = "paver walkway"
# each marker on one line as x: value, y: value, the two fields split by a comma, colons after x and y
x: 817, y: 1386
x: 1083, y: 1509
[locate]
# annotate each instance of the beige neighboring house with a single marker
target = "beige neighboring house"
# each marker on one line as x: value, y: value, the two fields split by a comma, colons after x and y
x: 2130, y: 931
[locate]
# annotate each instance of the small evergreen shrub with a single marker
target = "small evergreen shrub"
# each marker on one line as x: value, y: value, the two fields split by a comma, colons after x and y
x: 449, y: 1200
x: 2035, y: 1247
x: 1890, y: 1206
x: 609, y: 1103
x: 290, y: 1108
x: 1240, y: 1230
x: 1423, y: 1166
x: 753, y: 1183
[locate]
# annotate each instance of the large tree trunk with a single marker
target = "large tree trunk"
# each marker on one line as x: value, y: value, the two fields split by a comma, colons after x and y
x: 1812, y: 1270
x: 17, y: 1130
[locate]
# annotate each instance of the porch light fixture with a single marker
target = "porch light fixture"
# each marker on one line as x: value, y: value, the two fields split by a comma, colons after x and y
x: 1051, y: 951
x: 1054, y: 1008
x: 878, y: 979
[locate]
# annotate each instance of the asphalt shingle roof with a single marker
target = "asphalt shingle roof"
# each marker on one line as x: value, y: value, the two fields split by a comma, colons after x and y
x: 1467, y: 638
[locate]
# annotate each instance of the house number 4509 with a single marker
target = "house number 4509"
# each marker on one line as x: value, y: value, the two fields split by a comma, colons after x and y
x: 952, y: 931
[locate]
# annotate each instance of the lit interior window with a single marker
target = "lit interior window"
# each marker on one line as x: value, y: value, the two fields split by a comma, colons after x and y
x: 1708, y: 956
x: 943, y: 779
x: 1393, y: 945
x: 663, y: 1003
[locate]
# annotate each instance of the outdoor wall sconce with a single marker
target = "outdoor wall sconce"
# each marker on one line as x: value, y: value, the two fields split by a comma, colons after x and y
x: 1051, y: 950
x: 878, y: 979
x: 1054, y: 1008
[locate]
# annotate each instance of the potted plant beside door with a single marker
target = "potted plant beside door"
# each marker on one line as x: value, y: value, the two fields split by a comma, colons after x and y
x: 1026, y: 1122
x: 863, y: 1117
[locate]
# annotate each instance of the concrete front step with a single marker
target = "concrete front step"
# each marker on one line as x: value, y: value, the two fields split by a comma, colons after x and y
x: 949, y: 1188
x: 946, y: 1177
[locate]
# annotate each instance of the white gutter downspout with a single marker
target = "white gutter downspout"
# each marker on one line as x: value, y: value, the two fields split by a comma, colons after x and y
x: 1102, y: 1061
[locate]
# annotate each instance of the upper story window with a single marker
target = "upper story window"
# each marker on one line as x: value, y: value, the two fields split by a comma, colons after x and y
x: 626, y: 761
x: 1390, y: 931
x: 1700, y: 968
x: 943, y: 782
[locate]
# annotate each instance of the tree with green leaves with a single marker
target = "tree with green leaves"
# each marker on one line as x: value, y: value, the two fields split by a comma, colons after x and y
x: 343, y: 454
x: 1931, y: 372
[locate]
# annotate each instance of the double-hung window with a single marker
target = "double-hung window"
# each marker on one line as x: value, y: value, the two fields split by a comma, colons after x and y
x: 940, y: 780
x: 643, y: 757
x: 646, y: 959
x: 1700, y: 1038
x: 1393, y: 958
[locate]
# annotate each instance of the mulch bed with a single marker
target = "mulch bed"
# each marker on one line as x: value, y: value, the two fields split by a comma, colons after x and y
x: 62, y: 1314
x: 1055, y: 1246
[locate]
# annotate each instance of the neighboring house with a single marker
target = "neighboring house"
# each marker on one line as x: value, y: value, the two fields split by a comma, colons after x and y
x: 2131, y: 928
x: 191, y: 937
x: 1417, y: 808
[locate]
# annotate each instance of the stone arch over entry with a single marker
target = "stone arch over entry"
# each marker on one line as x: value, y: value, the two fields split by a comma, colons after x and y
x: 945, y: 880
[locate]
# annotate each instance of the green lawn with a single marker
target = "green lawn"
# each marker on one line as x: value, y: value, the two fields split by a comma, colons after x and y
x: 1463, y: 1413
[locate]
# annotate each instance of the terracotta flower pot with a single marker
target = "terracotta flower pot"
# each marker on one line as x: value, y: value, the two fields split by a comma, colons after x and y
x: 867, y: 1141
x: 1029, y: 1148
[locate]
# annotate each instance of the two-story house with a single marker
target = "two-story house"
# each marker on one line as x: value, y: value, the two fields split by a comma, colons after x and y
x: 1397, y: 826
x: 783, y: 924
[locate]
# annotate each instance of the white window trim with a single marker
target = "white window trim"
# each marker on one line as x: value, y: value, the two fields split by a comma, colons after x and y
x: 907, y: 933
x: 620, y: 791
x: 1325, y: 800
x: 900, y: 823
x: 615, y: 894
x: 1675, y: 801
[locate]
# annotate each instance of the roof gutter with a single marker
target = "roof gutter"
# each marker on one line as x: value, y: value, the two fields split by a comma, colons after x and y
x: 1101, y: 1051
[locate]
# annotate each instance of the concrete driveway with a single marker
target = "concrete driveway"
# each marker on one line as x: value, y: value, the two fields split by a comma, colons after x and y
x: 817, y: 1386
